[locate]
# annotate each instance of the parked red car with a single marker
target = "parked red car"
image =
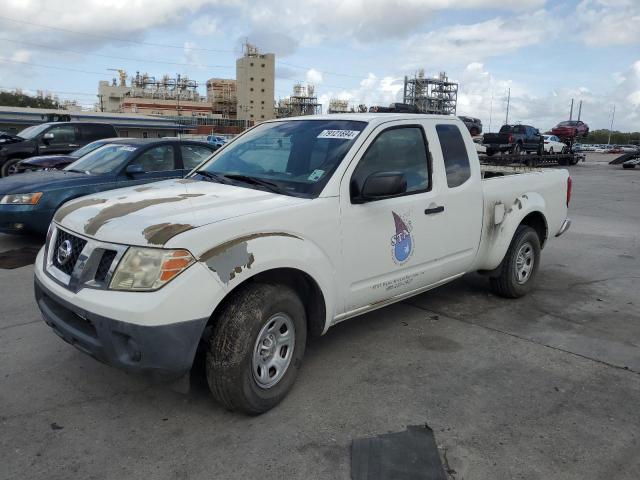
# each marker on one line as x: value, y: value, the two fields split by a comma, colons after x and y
x: 571, y: 129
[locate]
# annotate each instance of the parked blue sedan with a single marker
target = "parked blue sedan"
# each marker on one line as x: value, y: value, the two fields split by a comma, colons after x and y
x: 29, y: 201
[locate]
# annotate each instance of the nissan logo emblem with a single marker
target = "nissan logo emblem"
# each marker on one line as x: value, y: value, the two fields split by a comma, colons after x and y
x: 64, y: 252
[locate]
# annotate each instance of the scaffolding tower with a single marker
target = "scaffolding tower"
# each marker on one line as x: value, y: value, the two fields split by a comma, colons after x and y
x: 431, y: 95
x: 302, y: 102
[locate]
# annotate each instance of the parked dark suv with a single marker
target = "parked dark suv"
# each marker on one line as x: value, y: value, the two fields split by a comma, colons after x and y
x: 474, y: 125
x: 49, y: 139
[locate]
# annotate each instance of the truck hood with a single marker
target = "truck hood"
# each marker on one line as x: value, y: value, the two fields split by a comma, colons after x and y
x: 152, y: 214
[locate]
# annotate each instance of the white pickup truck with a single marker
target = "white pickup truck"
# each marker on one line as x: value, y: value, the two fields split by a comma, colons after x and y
x: 292, y: 227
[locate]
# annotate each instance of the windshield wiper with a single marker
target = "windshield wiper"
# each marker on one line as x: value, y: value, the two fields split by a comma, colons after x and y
x: 255, y: 181
x: 212, y: 176
x: 77, y: 171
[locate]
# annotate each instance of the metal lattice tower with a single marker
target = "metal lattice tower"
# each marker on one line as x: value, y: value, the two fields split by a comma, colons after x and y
x: 431, y: 95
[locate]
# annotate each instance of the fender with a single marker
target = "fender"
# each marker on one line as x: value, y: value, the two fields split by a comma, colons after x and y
x: 236, y: 260
x: 500, y: 224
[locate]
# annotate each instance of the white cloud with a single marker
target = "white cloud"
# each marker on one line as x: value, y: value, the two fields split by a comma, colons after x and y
x: 370, y: 91
x: 205, y: 26
x: 475, y: 42
x: 608, y: 22
x: 314, y: 77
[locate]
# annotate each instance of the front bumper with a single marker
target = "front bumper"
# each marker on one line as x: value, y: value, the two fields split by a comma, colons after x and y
x: 15, y: 219
x: 165, y: 352
x: 564, y: 227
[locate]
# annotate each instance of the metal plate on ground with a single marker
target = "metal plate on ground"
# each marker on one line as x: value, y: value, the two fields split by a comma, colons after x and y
x: 409, y: 455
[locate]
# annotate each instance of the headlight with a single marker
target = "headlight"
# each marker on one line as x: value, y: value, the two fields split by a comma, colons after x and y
x: 21, y: 199
x: 149, y: 268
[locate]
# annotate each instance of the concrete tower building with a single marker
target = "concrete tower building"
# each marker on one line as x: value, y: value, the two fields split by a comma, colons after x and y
x: 255, y: 80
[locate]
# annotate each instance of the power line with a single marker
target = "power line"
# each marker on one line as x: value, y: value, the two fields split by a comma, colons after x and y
x: 181, y: 47
x: 151, y: 44
x: 139, y: 60
x: 66, y: 69
x: 46, y: 90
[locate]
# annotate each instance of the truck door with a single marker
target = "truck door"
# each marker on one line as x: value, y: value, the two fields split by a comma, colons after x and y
x: 461, y: 196
x: 390, y: 246
x: 58, y: 139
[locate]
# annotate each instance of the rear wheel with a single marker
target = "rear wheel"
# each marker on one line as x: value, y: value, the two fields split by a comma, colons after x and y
x: 516, y: 149
x: 519, y: 267
x: 256, y: 347
x: 551, y: 151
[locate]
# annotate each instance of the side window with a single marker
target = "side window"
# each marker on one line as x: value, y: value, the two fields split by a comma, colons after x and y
x: 397, y: 149
x: 156, y: 159
x: 192, y: 155
x: 63, y: 134
x: 95, y: 132
x: 454, y: 152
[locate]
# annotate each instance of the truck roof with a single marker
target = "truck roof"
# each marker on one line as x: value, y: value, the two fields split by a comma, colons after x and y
x: 369, y: 117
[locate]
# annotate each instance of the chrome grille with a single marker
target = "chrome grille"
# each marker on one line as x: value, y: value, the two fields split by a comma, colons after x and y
x: 89, y: 264
x: 77, y: 245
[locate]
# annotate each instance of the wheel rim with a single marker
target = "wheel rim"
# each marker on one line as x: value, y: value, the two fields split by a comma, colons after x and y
x: 525, y: 261
x: 12, y: 169
x: 273, y: 350
x: 551, y: 151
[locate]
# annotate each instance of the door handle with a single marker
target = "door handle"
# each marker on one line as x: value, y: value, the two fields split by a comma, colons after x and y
x: 431, y: 211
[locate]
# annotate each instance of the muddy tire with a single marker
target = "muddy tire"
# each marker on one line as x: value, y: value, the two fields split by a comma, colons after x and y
x: 256, y: 347
x: 517, y: 272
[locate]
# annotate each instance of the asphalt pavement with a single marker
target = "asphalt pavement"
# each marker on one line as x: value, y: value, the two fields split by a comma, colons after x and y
x: 543, y: 387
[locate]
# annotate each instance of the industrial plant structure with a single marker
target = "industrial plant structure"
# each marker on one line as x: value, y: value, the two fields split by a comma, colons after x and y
x: 302, y: 102
x: 222, y: 95
x: 431, y: 95
x: 145, y: 94
x: 338, y: 106
x: 255, y: 84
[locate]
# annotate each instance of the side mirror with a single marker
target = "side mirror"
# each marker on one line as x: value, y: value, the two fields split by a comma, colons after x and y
x: 381, y: 185
x: 134, y: 169
x: 47, y: 136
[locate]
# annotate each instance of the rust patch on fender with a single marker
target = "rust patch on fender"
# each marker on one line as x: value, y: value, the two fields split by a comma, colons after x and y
x: 186, y: 180
x: 76, y: 205
x: 223, y: 247
x: 163, y: 232
x: 123, y: 209
x: 142, y: 189
x: 230, y: 258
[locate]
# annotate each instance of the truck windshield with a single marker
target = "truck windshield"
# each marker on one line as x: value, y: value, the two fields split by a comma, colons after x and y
x: 106, y: 159
x: 33, y: 131
x: 295, y: 157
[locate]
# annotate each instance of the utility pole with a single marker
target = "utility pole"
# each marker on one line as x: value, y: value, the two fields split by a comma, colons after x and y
x: 506, y: 120
x: 579, y: 109
x: 490, y: 110
x: 613, y: 114
x: 571, y: 111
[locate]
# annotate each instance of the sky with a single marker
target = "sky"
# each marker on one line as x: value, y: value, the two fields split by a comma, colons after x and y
x: 546, y: 52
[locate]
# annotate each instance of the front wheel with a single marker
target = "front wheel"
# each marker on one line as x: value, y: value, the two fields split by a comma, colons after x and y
x: 519, y: 267
x: 10, y: 167
x: 256, y: 347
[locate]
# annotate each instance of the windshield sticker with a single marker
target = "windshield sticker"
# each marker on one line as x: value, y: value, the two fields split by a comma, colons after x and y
x: 401, y: 242
x: 340, y: 134
x: 315, y: 175
x: 128, y: 149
